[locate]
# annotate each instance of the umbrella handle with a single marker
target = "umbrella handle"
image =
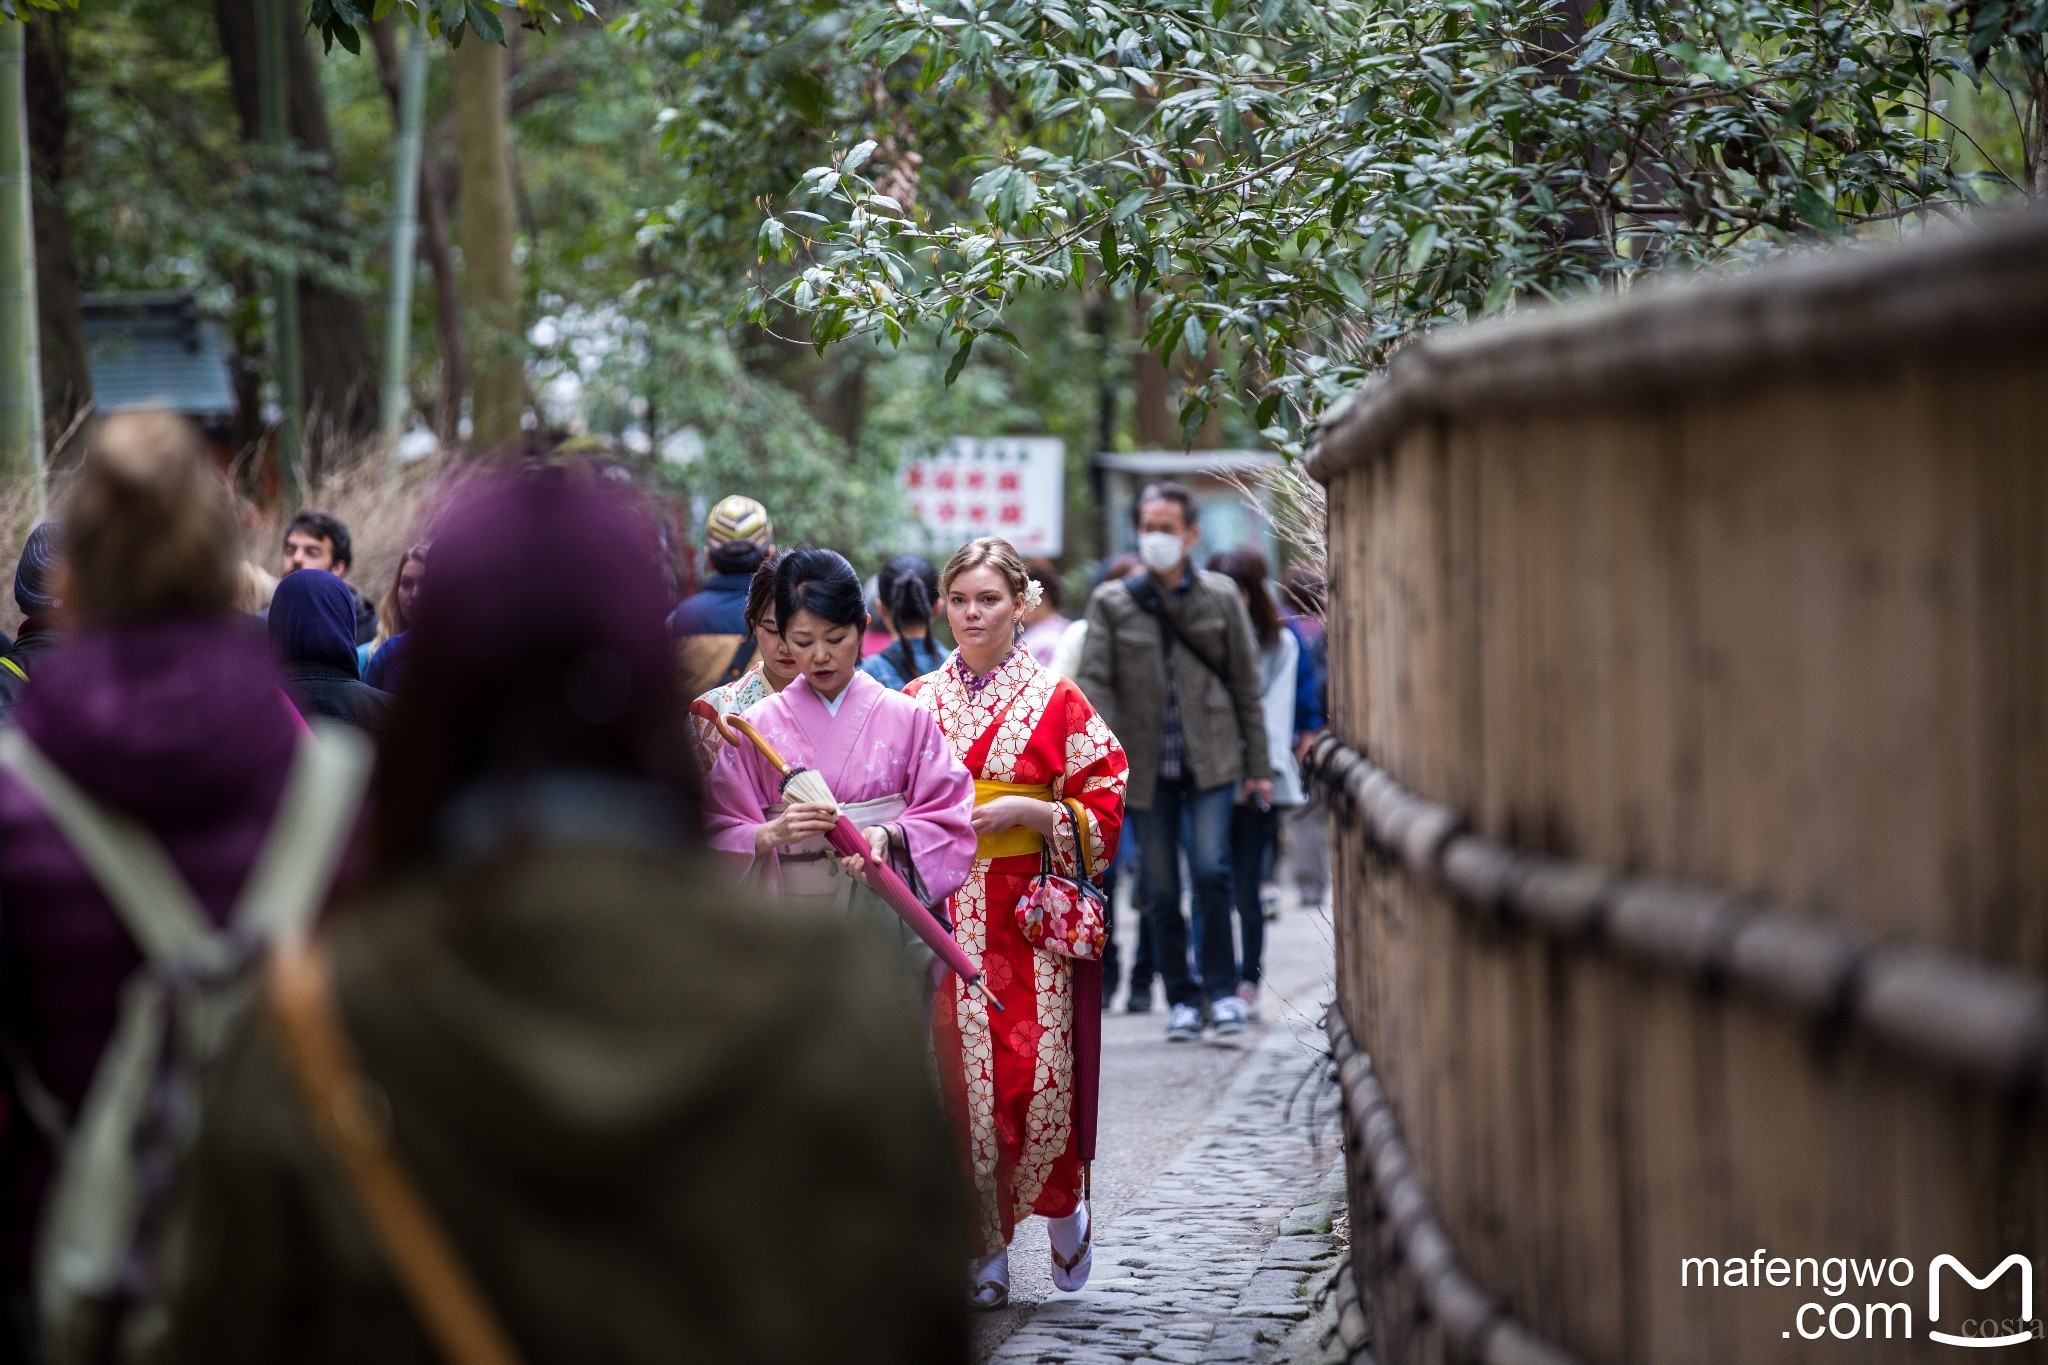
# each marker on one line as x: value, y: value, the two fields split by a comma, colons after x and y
x: 980, y: 983
x: 726, y: 725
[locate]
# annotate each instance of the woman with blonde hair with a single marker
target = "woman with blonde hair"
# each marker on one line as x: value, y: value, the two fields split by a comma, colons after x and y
x: 394, y: 619
x: 1049, y: 796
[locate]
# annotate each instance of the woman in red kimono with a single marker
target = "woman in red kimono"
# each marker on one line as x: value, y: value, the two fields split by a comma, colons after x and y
x: 1031, y: 740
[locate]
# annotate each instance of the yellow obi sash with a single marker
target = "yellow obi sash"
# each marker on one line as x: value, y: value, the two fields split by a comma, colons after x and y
x: 1017, y: 839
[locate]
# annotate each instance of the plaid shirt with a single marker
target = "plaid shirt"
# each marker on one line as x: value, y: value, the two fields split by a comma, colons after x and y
x: 1172, y: 746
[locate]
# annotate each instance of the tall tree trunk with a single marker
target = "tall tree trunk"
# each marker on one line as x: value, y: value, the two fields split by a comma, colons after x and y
x: 66, y: 374
x: 489, y: 225
x: 1152, y: 415
x: 2037, y: 108
x: 437, y: 201
x: 338, y: 362
x: 437, y: 249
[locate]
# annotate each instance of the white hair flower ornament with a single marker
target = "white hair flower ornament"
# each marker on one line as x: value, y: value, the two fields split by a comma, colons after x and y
x: 1034, y: 593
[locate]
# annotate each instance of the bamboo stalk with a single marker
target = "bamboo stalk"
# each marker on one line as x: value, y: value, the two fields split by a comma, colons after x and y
x: 274, y: 106
x: 412, y: 106
x: 21, y: 391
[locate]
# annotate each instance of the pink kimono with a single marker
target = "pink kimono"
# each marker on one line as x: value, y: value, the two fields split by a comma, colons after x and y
x: 887, y: 763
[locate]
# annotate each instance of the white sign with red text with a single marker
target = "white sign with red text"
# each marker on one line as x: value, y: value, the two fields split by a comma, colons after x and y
x: 1008, y: 486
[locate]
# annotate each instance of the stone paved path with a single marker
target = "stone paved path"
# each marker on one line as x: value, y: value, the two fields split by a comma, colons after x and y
x: 1224, y: 1254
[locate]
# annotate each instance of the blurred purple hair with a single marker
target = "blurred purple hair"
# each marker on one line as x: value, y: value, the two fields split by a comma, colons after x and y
x: 539, y: 646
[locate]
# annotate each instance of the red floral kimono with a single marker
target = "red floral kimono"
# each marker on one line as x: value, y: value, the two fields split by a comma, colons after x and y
x: 1009, y: 1077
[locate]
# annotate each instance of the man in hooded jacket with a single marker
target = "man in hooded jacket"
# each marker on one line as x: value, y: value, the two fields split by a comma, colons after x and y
x: 312, y: 627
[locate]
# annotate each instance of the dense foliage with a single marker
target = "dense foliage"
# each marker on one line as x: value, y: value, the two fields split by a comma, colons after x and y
x: 1313, y: 184
x: 762, y: 238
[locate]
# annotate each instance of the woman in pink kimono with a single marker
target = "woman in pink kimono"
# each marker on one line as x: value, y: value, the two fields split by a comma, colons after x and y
x: 881, y: 754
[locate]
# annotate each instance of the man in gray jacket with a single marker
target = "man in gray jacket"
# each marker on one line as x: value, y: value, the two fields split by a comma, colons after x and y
x: 1171, y: 663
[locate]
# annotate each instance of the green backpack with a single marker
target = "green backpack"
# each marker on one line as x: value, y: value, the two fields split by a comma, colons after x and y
x: 96, y: 1277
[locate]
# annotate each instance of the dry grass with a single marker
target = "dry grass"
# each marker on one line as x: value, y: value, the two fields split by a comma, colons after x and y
x: 1295, y: 506
x: 386, y: 510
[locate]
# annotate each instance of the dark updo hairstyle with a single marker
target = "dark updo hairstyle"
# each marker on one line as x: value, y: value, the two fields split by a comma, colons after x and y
x: 761, y: 593
x: 909, y: 587
x: 822, y: 583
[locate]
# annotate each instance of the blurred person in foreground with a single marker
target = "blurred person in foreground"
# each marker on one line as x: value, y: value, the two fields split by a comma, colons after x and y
x: 773, y: 669
x: 714, y: 645
x: 164, y: 707
x: 312, y: 627
x: 654, y: 1122
x: 882, y: 756
x: 908, y: 591
x: 36, y: 593
x: 394, y: 620
x: 1048, y: 785
x: 1255, y: 824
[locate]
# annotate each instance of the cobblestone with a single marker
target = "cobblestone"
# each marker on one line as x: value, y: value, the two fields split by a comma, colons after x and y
x: 1210, y: 1263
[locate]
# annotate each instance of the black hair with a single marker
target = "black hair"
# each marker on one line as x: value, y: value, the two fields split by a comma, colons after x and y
x: 736, y: 556
x: 761, y: 592
x: 1181, y: 494
x: 822, y: 583
x: 909, y: 587
x: 327, y: 527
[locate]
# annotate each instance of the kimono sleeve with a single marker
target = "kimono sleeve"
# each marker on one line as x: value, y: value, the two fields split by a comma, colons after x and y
x: 736, y: 797
x: 1093, y: 774
x: 938, y: 826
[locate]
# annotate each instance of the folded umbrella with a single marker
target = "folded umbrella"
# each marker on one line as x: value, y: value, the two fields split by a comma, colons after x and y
x: 804, y: 784
x: 1087, y: 1061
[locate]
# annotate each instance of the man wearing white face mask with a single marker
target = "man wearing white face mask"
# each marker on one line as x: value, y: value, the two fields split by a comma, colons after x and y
x: 1171, y: 663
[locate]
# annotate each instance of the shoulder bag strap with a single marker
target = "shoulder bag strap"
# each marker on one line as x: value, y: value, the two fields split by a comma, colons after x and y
x: 742, y: 655
x: 308, y: 833
x: 152, y: 899
x: 355, y: 1129
x: 1146, y: 594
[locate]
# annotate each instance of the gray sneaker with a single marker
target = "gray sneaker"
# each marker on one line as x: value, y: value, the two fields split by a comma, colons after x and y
x: 1184, y: 1025
x: 1226, y: 1017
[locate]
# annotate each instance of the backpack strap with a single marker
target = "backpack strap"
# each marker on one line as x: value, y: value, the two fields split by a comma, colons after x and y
x: 742, y: 656
x: 307, y: 835
x: 152, y: 899
x: 354, y: 1126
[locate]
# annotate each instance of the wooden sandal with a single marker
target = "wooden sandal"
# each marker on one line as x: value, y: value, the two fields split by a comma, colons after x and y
x: 992, y: 1283
x: 1070, y: 1274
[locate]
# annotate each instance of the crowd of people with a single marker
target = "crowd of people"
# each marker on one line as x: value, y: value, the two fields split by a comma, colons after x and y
x: 531, y: 967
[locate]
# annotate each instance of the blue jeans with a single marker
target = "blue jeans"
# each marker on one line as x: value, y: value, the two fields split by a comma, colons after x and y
x: 1251, y: 844
x: 1206, y: 841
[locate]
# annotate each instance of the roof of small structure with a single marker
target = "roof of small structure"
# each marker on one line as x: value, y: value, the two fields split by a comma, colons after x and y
x: 1187, y: 461
x: 154, y: 350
